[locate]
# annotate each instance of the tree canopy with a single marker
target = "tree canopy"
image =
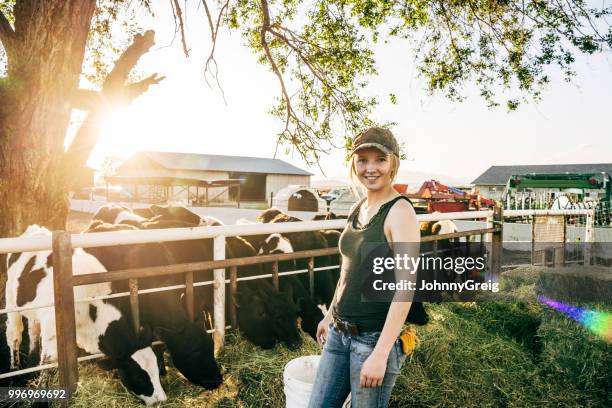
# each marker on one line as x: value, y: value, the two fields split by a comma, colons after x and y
x: 321, y: 51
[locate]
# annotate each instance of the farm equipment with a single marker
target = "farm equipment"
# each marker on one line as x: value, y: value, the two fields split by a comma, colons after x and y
x: 561, y: 191
x: 441, y: 198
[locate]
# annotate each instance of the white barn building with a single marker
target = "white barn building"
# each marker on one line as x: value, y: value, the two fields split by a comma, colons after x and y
x: 155, y: 176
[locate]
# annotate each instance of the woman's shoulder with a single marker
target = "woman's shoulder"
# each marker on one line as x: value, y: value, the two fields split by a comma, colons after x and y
x: 401, y: 208
x: 401, y: 222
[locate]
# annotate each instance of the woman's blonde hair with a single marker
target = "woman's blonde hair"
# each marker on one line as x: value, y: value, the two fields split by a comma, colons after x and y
x: 356, y: 185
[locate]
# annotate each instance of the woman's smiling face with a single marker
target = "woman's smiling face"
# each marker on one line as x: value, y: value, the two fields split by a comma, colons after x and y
x: 373, y: 168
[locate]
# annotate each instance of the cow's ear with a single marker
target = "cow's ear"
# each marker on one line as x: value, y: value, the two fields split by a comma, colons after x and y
x: 107, y: 364
x: 435, y: 229
x: 145, y: 337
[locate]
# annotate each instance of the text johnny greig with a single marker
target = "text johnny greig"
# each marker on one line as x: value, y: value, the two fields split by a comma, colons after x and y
x: 458, y: 265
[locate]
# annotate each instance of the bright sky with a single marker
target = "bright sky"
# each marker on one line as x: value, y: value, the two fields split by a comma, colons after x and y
x: 457, y: 140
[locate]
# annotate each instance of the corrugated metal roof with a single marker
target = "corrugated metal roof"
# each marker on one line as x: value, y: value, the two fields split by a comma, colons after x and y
x: 213, y: 162
x: 498, y: 175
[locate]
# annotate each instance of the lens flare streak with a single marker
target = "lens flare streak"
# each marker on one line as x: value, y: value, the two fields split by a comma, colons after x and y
x: 596, y: 321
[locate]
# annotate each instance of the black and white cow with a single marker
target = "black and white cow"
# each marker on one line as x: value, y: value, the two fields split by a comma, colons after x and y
x: 116, y: 214
x: 278, y: 318
x: 268, y: 215
x: 180, y: 213
x: 190, y: 346
x: 307, y: 240
x: 310, y: 313
x: 101, y: 325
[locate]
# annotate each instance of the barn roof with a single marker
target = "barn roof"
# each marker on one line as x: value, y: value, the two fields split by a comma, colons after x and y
x: 498, y: 175
x: 213, y: 162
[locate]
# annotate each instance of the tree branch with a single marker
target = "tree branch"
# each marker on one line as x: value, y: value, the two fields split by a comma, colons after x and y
x: 114, y: 82
x: 134, y: 90
x: 178, y: 14
x: 264, y: 44
x: 211, y: 63
x: 7, y: 34
x: 86, y: 100
x: 114, y: 92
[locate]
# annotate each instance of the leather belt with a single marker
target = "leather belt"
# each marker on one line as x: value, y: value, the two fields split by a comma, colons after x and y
x: 345, y: 327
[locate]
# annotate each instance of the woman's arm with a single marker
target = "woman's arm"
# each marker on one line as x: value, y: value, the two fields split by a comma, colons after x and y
x: 402, y: 231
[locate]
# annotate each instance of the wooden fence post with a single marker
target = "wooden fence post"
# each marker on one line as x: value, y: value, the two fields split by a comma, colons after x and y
x: 275, y: 275
x: 219, y: 294
x: 496, y: 243
x: 189, y: 295
x: 559, y: 251
x: 133, y: 285
x: 311, y: 279
x: 65, y: 324
x: 588, y: 236
x: 233, y: 289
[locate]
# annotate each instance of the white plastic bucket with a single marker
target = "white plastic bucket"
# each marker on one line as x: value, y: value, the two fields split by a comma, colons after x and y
x: 299, y: 377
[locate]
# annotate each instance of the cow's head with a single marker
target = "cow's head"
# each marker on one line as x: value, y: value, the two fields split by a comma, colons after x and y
x: 275, y: 244
x: 266, y: 315
x: 279, y: 313
x: 138, y: 368
x: 284, y: 313
x: 268, y: 215
x: 192, y: 351
x: 311, y: 315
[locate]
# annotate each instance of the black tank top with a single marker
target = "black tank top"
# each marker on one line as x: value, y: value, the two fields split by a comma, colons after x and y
x: 369, y: 316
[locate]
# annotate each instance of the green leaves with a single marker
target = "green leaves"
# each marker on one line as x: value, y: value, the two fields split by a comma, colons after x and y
x: 323, y: 52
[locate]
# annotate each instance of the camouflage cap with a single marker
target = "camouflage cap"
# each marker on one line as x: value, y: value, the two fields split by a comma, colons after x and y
x: 379, y: 138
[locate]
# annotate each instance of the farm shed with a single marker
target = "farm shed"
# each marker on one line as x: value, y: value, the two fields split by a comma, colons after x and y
x: 492, y: 182
x: 258, y: 177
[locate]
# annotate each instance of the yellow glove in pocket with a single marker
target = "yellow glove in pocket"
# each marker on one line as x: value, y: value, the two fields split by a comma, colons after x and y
x: 409, y: 340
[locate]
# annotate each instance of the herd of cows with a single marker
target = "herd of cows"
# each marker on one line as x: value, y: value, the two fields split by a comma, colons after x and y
x: 266, y: 316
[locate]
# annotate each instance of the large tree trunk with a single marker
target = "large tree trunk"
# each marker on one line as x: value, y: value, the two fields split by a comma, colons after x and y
x: 45, y: 55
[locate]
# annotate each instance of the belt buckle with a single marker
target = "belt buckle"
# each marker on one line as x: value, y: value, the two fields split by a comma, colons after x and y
x: 340, y: 325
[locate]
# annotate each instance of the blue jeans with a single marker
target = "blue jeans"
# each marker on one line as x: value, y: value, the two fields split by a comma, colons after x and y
x: 340, y: 368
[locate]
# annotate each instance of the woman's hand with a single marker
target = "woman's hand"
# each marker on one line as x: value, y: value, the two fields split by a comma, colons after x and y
x: 322, y: 331
x: 373, y: 370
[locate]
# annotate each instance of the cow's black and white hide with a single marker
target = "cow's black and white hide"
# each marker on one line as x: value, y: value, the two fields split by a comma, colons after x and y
x: 328, y: 216
x: 309, y: 312
x: 102, y: 326
x: 428, y: 228
x: 278, y: 318
x: 190, y: 346
x: 268, y: 215
x: 333, y: 239
x: 307, y: 240
x: 143, y: 212
x: 116, y: 214
x: 180, y: 213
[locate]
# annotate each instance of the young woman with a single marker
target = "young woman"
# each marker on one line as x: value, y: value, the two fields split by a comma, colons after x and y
x: 362, y: 353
